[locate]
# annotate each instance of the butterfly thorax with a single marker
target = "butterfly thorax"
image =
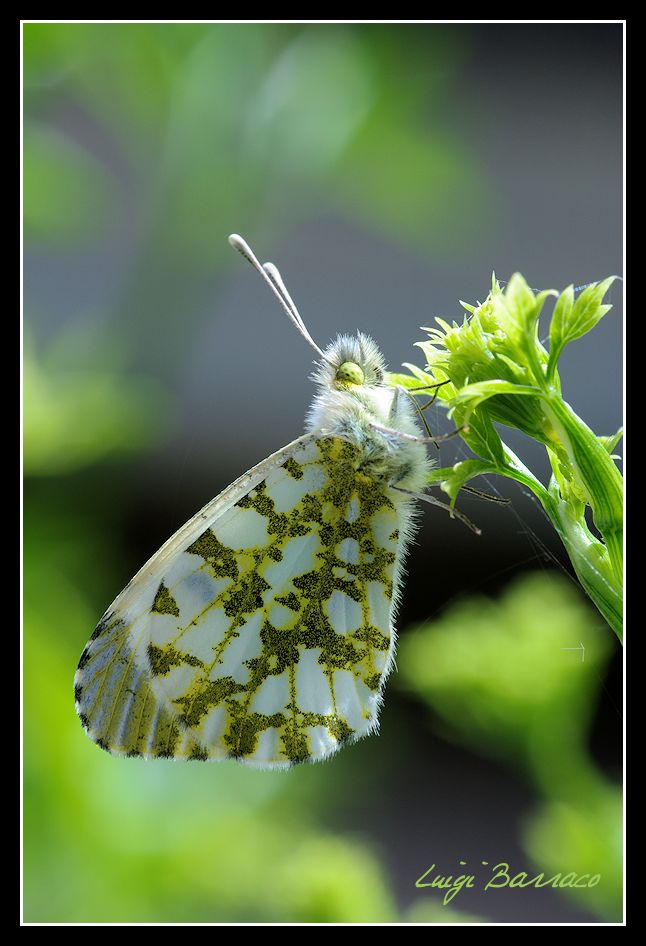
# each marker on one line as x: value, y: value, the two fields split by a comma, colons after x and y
x: 353, y: 395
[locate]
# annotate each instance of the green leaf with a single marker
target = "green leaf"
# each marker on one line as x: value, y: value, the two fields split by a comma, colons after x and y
x: 520, y: 303
x: 560, y: 319
x: 572, y: 319
x: 472, y: 395
x: 408, y: 381
x: 482, y: 437
x: 588, y: 309
x: 597, y: 566
x: 453, y: 478
x: 439, y: 474
x: 611, y: 442
x: 518, y: 312
x: 596, y: 475
x: 423, y: 384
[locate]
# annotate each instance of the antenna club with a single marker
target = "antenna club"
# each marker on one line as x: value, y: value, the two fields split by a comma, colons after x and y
x: 237, y: 242
x: 273, y: 279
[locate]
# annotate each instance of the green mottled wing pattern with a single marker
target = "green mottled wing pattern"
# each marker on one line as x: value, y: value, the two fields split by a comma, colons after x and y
x: 263, y: 630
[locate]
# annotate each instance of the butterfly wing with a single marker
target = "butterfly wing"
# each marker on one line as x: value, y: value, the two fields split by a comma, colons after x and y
x: 262, y: 630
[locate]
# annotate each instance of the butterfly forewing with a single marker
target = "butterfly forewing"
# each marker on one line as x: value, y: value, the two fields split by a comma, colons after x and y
x: 263, y: 630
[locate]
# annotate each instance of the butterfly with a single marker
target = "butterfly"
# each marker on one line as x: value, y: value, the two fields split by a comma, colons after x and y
x: 263, y: 630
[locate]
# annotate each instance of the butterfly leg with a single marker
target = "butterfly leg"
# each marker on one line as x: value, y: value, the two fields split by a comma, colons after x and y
x: 430, y: 438
x: 436, y: 502
x: 419, y: 410
x: 382, y: 428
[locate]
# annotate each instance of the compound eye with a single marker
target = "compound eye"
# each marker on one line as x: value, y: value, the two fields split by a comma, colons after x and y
x: 350, y: 373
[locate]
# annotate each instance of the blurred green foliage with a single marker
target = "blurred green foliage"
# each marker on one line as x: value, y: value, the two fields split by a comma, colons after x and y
x: 233, y: 118
x: 119, y: 840
x: 518, y: 679
x: 434, y: 912
x: 163, y: 139
x: 73, y: 417
x: 68, y: 192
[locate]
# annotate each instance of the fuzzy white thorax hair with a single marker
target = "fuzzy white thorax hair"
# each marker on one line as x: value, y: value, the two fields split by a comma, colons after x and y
x: 348, y: 411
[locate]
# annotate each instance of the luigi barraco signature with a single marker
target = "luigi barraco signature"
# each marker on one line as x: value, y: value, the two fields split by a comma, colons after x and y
x: 499, y: 877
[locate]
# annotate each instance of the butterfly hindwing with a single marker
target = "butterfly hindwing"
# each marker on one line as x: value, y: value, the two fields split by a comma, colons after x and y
x: 263, y: 630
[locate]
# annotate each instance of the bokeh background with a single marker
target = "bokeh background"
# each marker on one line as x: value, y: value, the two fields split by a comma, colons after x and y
x: 387, y: 169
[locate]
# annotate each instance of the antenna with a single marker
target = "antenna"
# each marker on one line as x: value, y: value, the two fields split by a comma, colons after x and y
x: 274, y: 280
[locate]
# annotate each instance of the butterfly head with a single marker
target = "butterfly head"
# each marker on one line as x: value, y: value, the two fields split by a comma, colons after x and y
x: 351, y: 362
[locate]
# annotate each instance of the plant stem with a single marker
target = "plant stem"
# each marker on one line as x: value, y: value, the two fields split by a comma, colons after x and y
x: 590, y: 559
x: 594, y: 563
